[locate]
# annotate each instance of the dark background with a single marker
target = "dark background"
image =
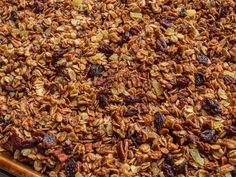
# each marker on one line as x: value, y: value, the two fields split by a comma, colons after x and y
x: 4, y: 174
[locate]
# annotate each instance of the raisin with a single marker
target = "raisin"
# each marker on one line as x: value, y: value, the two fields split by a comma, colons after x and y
x: 231, y: 130
x: 124, y: 38
x: 203, y: 59
x: 49, y: 140
x: 208, y: 136
x: 38, y: 7
x: 167, y: 170
x: 143, y: 108
x: 95, y: 70
x: 158, y: 120
x: 233, y: 173
x: 180, y: 168
x: 133, y: 31
x: 13, y: 16
x: 70, y: 167
x: 130, y: 99
x: 161, y: 44
x: 211, y: 106
x: 59, y: 53
x: 228, y: 80
x: 130, y: 112
x: 106, y: 50
x: 19, y: 142
x: 183, y: 12
x: 182, y: 82
x: 4, y: 121
x: 102, y: 100
x: 199, y: 78
x: 169, y: 159
x: 68, y: 149
x: 224, y: 12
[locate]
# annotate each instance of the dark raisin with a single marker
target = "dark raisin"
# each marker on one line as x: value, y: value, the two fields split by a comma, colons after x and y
x: 130, y: 112
x: 95, y: 70
x: 124, y: 38
x: 4, y: 121
x: 49, y: 140
x: 70, y: 167
x: 208, y: 136
x: 130, y: 99
x: 102, y: 100
x: 182, y: 82
x: 161, y: 44
x: 167, y: 170
x: 169, y: 159
x: 165, y: 23
x: 106, y: 50
x: 158, y: 120
x: 59, y: 53
x: 143, y: 108
x: 13, y: 16
x: 180, y: 168
x: 224, y: 12
x: 19, y: 142
x: 124, y: 1
x: 211, y: 106
x: 68, y: 148
x: 228, y: 80
x: 133, y: 31
x: 231, y: 130
x: 183, y: 12
x: 38, y: 7
x: 203, y: 59
x: 199, y: 78
x: 233, y: 173
x: 135, y: 140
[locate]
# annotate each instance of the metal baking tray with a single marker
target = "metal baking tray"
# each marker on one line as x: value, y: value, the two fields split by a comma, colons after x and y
x: 14, y: 168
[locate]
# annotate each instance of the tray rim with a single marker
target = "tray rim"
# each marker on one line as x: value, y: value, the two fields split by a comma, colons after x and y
x: 16, y: 168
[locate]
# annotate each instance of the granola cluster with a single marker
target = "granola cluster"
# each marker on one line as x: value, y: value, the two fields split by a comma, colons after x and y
x: 119, y: 88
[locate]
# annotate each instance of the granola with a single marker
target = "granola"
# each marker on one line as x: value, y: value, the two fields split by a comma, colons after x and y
x: 119, y: 87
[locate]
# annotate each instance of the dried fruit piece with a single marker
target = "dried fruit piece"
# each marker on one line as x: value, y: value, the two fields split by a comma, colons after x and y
x: 70, y: 167
x: 167, y: 170
x: 130, y: 112
x: 183, y: 12
x: 130, y: 99
x: 208, y: 136
x: 59, y: 54
x: 199, y: 78
x: 182, y: 82
x: 133, y: 31
x: 161, y: 44
x: 180, y: 168
x: 49, y: 140
x: 211, y: 106
x: 106, y: 50
x: 231, y: 130
x: 102, y: 100
x: 13, y: 16
x: 196, y: 156
x: 203, y: 59
x: 191, y: 12
x: 20, y: 143
x: 136, y: 15
x: 95, y: 70
x: 124, y: 38
x: 158, y: 120
x: 228, y: 80
x: 38, y: 7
